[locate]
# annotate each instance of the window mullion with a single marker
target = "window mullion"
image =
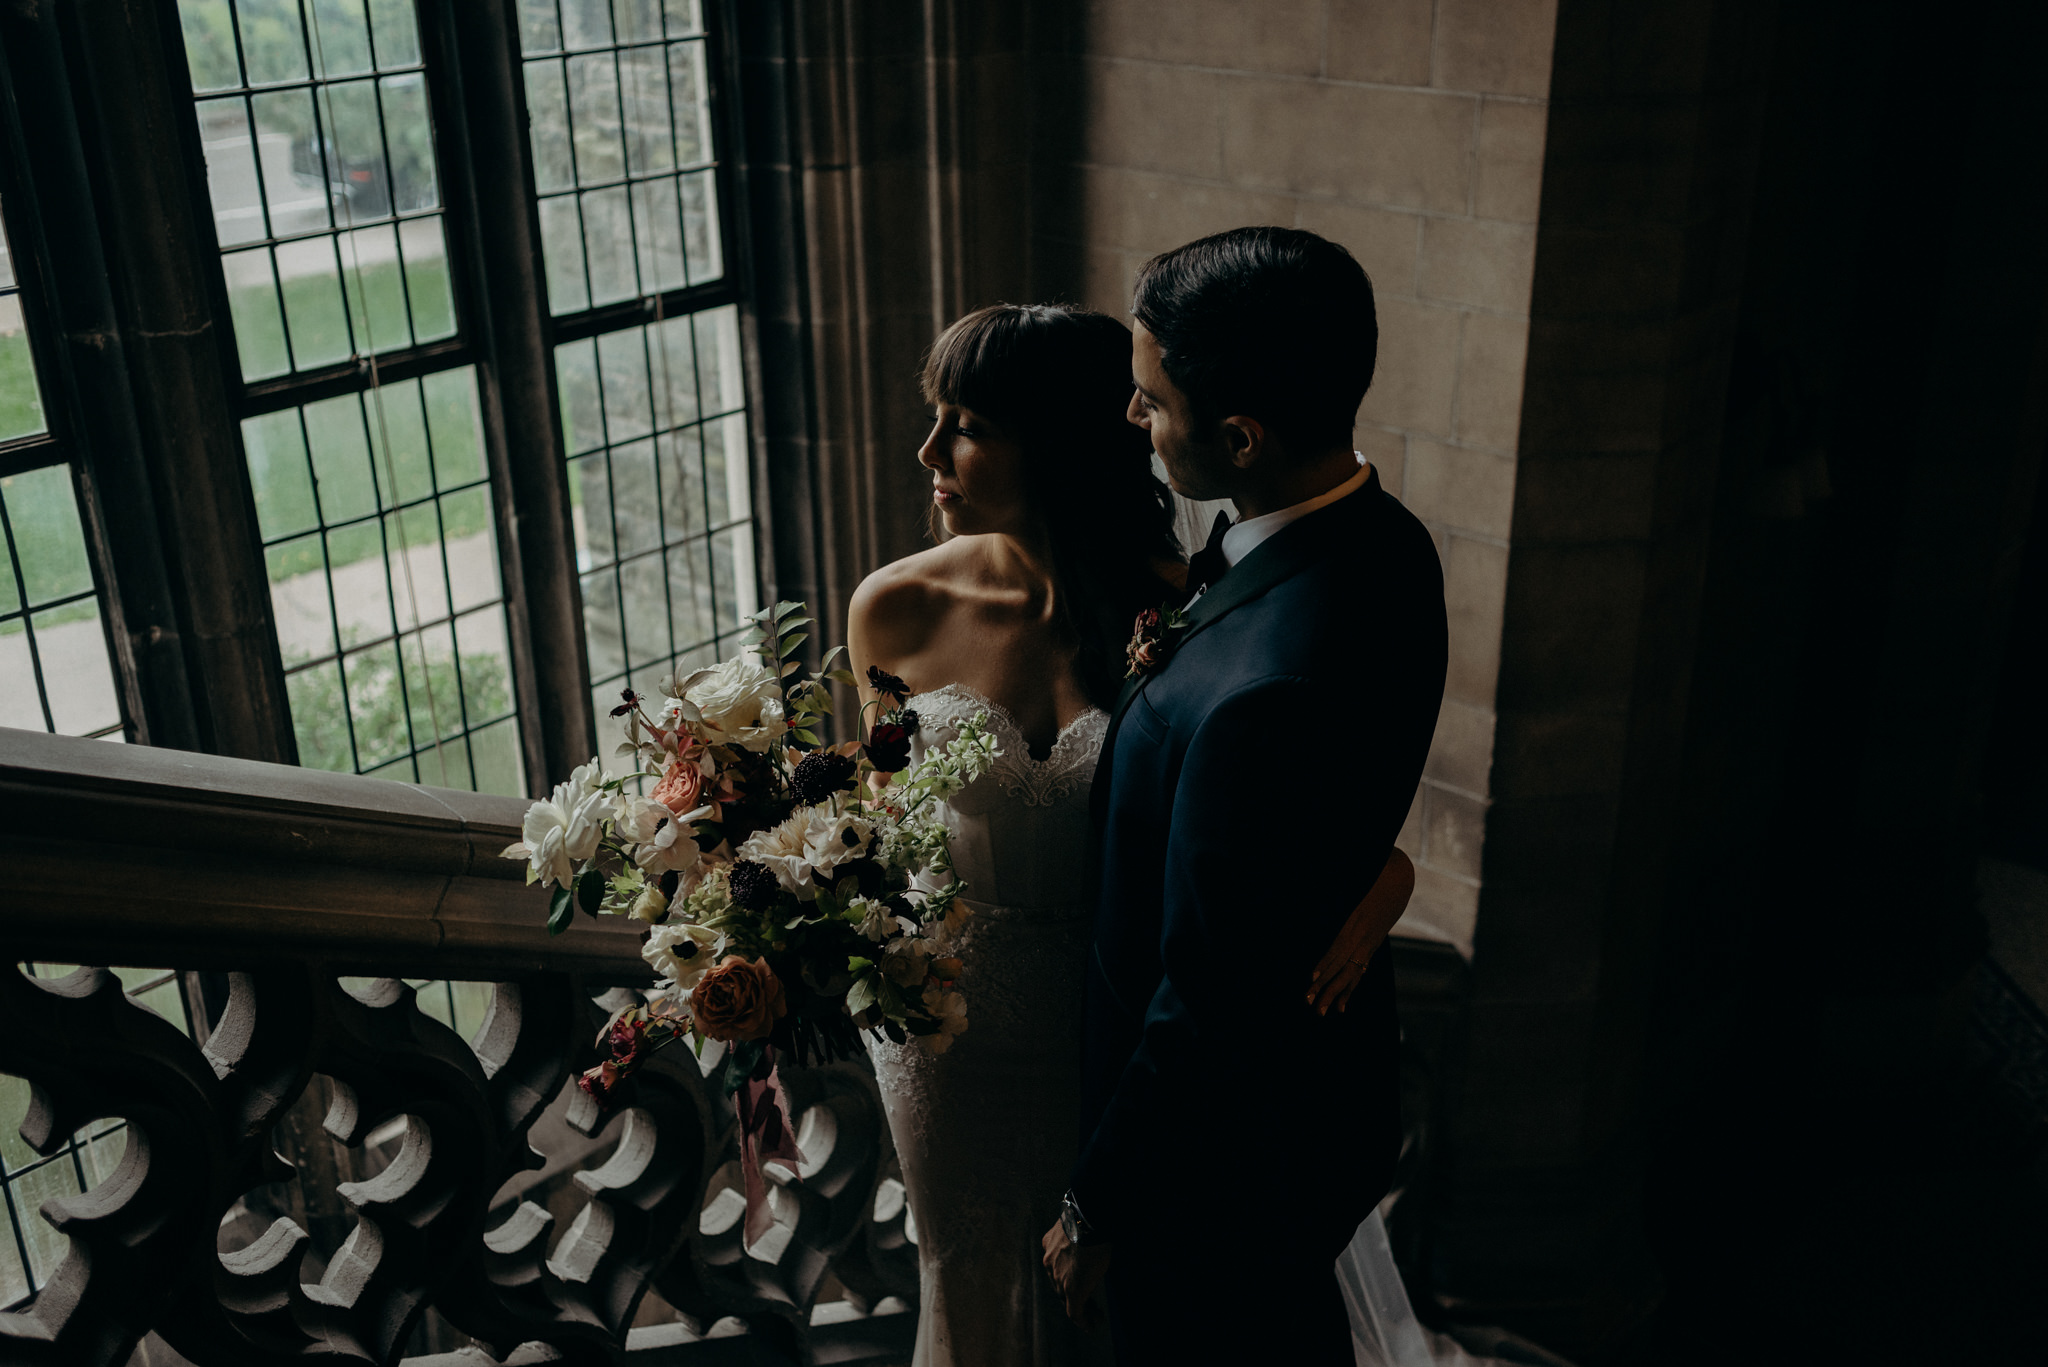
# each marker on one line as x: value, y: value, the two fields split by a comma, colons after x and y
x: 522, y: 417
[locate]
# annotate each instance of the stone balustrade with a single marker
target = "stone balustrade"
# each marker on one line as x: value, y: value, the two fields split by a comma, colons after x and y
x: 463, y: 1202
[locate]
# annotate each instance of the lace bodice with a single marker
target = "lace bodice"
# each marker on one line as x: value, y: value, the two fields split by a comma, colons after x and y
x: 1035, y: 782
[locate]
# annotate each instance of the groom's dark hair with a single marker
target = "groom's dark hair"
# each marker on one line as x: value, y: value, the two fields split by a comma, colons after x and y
x: 1271, y: 323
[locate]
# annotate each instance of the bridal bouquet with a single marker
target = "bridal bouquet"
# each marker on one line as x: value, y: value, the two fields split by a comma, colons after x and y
x: 796, y: 892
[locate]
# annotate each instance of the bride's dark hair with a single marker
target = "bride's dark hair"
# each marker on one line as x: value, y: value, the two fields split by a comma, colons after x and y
x: 1058, y: 378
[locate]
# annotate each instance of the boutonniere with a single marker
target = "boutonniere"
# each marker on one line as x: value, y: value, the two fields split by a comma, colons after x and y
x: 1152, y: 640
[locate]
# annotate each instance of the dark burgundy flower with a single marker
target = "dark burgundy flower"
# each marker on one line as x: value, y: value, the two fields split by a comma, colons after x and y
x: 887, y: 684
x: 632, y: 700
x: 888, y: 746
x: 599, y: 1082
x: 1148, y: 647
x: 818, y: 776
x: 626, y: 1037
x: 753, y: 885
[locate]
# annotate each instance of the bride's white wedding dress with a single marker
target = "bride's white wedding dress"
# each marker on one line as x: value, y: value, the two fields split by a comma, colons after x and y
x: 987, y: 1132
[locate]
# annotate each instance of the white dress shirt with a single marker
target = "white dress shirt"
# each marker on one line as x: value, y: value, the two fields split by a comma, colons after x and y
x: 1246, y: 535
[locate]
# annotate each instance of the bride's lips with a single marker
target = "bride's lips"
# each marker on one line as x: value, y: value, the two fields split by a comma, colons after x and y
x: 944, y: 497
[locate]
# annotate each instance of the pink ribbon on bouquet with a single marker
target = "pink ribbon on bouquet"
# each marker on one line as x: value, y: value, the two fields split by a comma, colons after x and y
x: 764, y: 1135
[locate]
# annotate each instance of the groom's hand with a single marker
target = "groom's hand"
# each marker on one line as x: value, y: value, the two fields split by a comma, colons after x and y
x: 1078, y: 1273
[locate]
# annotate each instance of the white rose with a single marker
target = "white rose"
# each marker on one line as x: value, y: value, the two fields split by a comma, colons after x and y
x: 680, y: 952
x: 905, y: 961
x: 562, y: 829
x: 741, y: 703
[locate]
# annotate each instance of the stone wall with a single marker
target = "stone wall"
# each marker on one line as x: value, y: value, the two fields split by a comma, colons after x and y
x: 1412, y: 132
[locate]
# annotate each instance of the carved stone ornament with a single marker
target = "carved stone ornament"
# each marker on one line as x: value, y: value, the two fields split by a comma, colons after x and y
x: 475, y: 1129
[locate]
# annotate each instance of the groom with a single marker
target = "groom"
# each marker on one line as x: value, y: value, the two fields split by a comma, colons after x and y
x: 1252, y: 785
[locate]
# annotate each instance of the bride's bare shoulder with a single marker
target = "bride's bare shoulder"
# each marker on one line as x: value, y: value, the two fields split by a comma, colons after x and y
x: 894, y: 610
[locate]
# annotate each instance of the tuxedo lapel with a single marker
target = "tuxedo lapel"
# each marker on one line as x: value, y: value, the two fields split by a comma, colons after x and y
x: 1279, y: 558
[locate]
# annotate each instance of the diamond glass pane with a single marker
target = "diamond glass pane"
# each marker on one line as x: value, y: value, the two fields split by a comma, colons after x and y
x: 656, y: 435
x: 618, y: 110
x: 319, y: 146
x: 381, y: 542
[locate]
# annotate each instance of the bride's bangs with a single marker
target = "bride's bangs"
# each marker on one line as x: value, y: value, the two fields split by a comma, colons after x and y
x: 971, y: 365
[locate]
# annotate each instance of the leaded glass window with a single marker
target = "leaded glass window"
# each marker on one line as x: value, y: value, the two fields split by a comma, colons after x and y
x: 56, y: 671
x: 654, y: 418
x: 325, y: 184
x: 375, y: 510
x: 618, y: 108
x: 374, y: 503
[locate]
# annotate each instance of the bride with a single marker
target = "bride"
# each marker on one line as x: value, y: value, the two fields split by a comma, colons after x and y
x: 1057, y: 536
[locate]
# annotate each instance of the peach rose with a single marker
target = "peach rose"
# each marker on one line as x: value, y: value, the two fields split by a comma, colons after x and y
x: 739, y: 999
x: 681, y: 784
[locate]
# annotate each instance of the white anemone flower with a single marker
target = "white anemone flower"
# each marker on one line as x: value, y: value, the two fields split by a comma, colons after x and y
x: 662, y: 841
x: 830, y: 841
x: 681, y: 953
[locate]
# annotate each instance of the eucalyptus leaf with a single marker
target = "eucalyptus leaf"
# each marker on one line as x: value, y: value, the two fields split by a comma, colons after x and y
x: 841, y: 676
x: 590, y: 891
x: 561, y: 910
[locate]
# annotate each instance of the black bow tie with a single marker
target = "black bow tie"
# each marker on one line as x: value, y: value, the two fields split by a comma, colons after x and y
x: 1208, y: 564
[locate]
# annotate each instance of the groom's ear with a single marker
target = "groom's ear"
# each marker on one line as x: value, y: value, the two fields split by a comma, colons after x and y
x: 1245, y: 439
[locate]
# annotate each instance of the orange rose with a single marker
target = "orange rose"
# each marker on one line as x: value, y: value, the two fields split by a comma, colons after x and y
x: 681, y: 783
x: 739, y: 999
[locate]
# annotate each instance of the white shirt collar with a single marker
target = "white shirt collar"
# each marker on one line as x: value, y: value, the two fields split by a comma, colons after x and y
x: 1246, y: 536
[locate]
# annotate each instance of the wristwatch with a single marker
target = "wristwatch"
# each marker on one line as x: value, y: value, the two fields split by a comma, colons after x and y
x: 1075, y: 1225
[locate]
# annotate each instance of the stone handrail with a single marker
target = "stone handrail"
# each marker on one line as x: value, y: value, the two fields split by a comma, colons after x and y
x: 211, y: 862
x: 283, y: 889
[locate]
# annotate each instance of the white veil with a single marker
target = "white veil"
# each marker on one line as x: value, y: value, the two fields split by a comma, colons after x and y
x: 1384, y: 1330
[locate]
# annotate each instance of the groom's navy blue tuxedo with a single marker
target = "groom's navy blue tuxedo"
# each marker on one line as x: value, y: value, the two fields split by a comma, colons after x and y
x: 1251, y: 790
